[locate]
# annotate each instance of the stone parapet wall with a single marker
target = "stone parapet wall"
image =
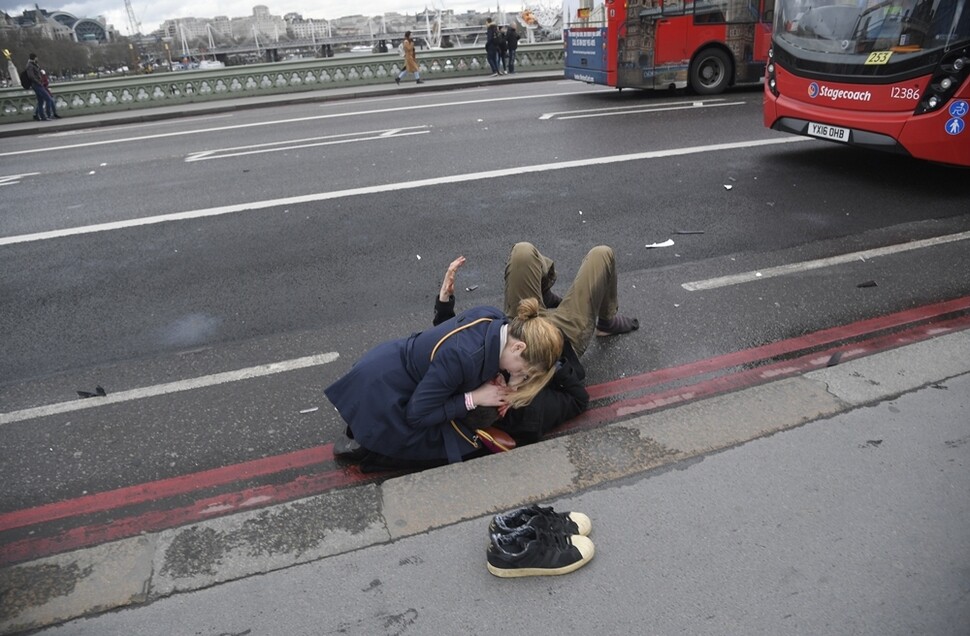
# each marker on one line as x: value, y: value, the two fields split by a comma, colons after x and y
x: 167, y: 89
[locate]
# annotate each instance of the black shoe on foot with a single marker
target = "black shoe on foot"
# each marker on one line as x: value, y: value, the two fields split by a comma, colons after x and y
x: 419, y: 82
x: 550, y: 299
x: 349, y: 449
x: 537, y: 552
x: 397, y: 80
x: 619, y: 324
x: 567, y: 523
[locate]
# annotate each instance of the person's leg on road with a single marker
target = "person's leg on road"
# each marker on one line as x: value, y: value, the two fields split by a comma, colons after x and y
x: 528, y: 274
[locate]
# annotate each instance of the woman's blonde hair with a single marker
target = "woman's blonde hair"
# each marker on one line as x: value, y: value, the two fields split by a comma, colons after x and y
x: 543, y: 348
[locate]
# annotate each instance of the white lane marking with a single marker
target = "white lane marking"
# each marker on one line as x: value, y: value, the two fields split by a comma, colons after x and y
x: 308, y: 142
x: 651, y: 110
x: 391, y: 187
x: 278, y: 122
x: 152, y: 124
x: 14, y: 179
x: 562, y: 114
x: 803, y: 266
x: 171, y: 387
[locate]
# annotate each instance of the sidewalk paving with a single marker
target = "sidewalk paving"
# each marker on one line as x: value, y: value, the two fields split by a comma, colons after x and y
x: 69, y: 122
x: 816, y: 517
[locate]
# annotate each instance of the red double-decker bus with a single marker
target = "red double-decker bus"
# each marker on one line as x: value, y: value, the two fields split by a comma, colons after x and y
x: 707, y: 45
x: 885, y: 74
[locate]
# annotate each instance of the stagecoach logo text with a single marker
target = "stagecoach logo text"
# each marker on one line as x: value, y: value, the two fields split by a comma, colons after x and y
x: 814, y: 90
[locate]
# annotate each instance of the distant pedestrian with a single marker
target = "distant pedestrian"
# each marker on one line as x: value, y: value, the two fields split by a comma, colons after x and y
x: 36, y: 80
x: 512, y: 37
x: 491, y: 45
x: 503, y: 51
x: 410, y: 61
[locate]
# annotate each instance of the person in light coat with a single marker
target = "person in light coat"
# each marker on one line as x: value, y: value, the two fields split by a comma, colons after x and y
x: 410, y: 60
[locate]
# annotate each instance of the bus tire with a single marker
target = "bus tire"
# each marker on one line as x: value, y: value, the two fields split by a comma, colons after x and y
x: 710, y: 72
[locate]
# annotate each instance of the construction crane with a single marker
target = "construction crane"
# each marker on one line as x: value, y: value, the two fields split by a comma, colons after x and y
x: 133, y: 25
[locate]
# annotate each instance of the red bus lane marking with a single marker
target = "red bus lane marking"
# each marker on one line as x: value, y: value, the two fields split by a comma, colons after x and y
x: 161, y: 489
x: 307, y: 485
x: 760, y: 375
x: 774, y: 349
x: 210, y: 507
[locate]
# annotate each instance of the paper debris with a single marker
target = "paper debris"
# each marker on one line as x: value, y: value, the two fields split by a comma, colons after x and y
x: 728, y: 187
x: 310, y: 410
x: 666, y: 243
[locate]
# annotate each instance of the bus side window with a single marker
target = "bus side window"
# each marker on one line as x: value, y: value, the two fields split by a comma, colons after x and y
x: 709, y: 11
x: 673, y: 7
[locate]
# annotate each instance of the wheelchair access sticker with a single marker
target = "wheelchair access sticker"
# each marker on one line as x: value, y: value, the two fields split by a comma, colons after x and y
x: 959, y: 108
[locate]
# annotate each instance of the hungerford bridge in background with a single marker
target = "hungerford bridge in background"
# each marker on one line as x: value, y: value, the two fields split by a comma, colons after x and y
x: 169, y: 89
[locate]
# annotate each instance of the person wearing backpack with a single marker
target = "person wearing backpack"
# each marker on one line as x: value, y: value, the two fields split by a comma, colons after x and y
x: 36, y: 81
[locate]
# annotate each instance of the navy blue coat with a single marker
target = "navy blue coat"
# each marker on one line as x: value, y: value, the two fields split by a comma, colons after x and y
x: 400, y: 403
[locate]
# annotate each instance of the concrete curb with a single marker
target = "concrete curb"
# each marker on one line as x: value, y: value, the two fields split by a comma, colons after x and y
x: 145, y: 568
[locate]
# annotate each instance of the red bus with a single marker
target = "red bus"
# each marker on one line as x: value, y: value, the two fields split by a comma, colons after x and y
x: 707, y: 45
x: 884, y: 74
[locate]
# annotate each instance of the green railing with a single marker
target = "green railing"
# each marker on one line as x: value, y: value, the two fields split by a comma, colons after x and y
x: 167, y: 89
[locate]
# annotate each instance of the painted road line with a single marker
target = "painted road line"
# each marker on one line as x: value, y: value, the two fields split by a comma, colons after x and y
x: 183, y: 484
x: 815, y: 339
x: 306, y: 142
x: 393, y: 187
x: 164, y: 488
x: 314, y: 484
x: 759, y: 375
x: 281, y: 122
x: 610, y: 109
x: 804, y: 266
x: 171, y: 387
x: 208, y: 508
x: 14, y: 179
x: 649, y: 110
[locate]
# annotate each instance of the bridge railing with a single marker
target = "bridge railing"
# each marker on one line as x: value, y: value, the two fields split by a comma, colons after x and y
x: 294, y: 76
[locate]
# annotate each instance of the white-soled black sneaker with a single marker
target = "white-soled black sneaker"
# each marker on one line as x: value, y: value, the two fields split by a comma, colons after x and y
x: 531, y: 551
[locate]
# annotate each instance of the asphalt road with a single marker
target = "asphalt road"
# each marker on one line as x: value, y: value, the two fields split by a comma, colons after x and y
x: 324, y: 228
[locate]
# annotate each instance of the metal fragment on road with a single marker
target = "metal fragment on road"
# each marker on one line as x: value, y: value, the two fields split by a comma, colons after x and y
x: 472, y: 288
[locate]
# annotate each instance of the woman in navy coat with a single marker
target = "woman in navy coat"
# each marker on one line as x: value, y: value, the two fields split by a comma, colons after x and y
x: 406, y: 398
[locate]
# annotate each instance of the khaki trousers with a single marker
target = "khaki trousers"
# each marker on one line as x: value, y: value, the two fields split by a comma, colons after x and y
x: 592, y: 295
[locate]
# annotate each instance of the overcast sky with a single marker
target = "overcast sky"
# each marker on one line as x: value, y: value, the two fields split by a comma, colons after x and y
x: 151, y: 13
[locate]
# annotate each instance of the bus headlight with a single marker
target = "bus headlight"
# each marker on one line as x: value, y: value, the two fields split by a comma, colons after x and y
x: 949, y: 75
x: 770, y: 74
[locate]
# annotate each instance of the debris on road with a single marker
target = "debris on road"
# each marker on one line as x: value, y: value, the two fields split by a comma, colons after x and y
x: 472, y: 288
x: 689, y: 232
x: 834, y: 360
x: 98, y: 392
x: 309, y: 410
x: 868, y: 283
x: 666, y: 243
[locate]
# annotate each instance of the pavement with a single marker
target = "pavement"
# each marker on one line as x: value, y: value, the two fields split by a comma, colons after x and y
x: 830, y: 502
x: 431, y: 84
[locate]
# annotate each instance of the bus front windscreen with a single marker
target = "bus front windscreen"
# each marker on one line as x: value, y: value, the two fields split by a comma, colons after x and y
x: 865, y: 27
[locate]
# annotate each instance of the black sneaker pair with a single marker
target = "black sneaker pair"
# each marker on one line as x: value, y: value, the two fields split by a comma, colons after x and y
x: 537, y: 541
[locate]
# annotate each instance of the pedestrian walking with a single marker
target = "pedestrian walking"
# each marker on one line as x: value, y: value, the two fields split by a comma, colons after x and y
x: 512, y: 38
x: 410, y: 61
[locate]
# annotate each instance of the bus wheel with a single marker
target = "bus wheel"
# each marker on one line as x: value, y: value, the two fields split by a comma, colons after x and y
x: 710, y: 72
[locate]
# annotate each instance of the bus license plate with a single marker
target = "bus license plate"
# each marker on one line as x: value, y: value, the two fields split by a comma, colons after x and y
x: 828, y: 132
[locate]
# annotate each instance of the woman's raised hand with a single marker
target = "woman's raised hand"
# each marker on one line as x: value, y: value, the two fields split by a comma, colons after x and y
x: 448, y: 284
